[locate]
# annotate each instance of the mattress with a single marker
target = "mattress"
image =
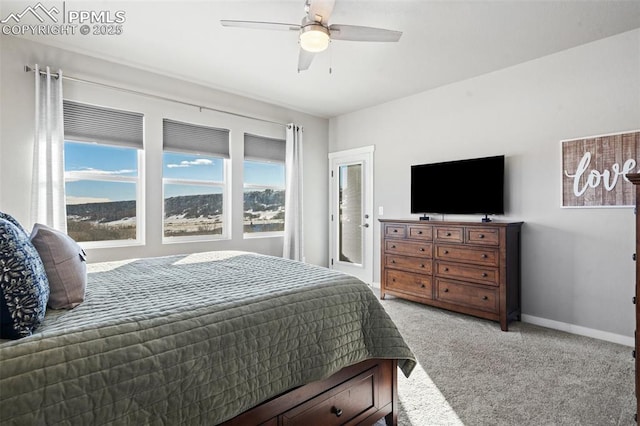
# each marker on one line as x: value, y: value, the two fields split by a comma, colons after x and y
x: 192, y: 339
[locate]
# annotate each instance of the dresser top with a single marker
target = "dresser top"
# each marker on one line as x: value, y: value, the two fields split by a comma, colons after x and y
x: 434, y: 222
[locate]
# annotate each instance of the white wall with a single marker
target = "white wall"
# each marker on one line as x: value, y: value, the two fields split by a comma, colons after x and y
x: 576, y: 263
x: 16, y: 141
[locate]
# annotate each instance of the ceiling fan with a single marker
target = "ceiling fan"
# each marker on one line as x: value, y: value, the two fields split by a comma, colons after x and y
x: 315, y: 32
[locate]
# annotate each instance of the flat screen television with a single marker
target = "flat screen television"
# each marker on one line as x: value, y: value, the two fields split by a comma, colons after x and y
x: 472, y: 186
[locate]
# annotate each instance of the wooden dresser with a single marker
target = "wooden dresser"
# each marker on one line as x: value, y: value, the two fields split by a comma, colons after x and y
x: 472, y: 268
x: 635, y: 179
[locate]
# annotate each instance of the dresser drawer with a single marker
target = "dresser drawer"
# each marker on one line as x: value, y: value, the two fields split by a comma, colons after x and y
x: 394, y: 230
x: 478, y: 256
x: 407, y: 282
x: 452, y: 234
x: 480, y: 274
x: 483, y: 236
x: 415, y: 264
x: 421, y: 232
x: 473, y: 296
x: 357, y: 397
x: 408, y: 248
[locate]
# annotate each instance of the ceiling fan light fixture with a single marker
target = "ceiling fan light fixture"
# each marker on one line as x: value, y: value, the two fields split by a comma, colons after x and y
x: 314, y: 38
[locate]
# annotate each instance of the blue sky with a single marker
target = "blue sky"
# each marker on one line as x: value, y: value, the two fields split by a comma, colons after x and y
x: 83, y: 158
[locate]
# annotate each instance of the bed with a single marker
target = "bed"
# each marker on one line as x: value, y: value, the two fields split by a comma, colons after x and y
x: 205, y: 339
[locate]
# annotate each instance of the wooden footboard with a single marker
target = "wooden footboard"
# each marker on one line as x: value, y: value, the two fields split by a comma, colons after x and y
x: 360, y: 394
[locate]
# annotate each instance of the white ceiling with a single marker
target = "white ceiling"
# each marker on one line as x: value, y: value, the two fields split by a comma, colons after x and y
x: 442, y: 42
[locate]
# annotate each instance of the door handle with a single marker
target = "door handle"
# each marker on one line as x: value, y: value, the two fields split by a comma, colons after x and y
x: 366, y: 225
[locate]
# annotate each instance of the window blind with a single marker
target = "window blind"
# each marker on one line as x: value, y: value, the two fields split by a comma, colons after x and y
x: 90, y: 123
x: 259, y: 148
x: 195, y: 139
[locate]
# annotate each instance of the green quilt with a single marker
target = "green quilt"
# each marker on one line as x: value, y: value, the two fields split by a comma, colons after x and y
x: 193, y: 339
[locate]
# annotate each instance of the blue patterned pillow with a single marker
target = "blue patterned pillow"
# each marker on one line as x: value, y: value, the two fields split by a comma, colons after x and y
x: 24, y: 288
x: 7, y: 216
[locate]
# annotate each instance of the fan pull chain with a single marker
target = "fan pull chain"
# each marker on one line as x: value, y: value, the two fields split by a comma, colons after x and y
x: 330, y: 58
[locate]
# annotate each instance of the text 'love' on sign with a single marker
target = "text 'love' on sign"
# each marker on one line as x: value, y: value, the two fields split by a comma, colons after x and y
x: 593, y: 170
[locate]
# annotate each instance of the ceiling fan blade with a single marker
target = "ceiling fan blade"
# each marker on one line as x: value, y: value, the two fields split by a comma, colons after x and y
x: 357, y: 33
x: 304, y: 60
x: 321, y: 9
x: 257, y: 25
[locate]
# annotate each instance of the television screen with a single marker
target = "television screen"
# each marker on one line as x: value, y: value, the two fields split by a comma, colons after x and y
x: 459, y: 187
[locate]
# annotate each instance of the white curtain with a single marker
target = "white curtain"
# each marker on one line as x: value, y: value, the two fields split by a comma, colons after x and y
x: 293, y: 189
x: 47, y: 197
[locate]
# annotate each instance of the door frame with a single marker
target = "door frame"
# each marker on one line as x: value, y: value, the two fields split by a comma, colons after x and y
x: 364, y: 155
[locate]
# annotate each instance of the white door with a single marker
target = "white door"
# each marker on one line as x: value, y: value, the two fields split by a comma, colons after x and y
x: 351, y: 216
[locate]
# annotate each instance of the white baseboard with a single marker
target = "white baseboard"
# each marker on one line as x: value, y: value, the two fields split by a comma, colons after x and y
x: 570, y: 328
x: 582, y: 331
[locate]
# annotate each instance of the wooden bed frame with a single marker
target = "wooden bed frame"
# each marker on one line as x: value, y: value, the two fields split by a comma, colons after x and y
x: 360, y: 394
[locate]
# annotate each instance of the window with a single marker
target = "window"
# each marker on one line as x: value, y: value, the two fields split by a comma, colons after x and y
x: 103, y: 168
x: 264, y: 183
x: 194, y: 183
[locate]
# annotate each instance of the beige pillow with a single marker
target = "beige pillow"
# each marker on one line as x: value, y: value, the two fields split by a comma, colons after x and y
x: 64, y: 262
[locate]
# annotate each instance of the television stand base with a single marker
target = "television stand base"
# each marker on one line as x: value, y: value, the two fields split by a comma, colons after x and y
x: 486, y: 218
x: 425, y: 217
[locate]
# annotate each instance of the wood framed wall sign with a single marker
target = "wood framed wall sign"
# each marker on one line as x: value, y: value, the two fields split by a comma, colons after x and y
x: 593, y: 170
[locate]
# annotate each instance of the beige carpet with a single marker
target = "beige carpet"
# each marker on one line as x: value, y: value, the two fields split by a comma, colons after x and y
x: 471, y: 373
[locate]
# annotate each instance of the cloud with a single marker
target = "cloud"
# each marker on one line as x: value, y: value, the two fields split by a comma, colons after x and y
x: 198, y: 162
x: 89, y: 170
x: 88, y: 173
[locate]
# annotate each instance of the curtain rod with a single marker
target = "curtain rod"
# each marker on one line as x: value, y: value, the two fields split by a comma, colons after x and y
x: 27, y: 68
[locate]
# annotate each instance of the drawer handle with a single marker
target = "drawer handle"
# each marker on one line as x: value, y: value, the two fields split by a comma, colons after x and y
x: 421, y: 249
x: 336, y: 411
x: 422, y: 265
x: 393, y: 279
x: 395, y: 230
x: 484, y: 256
x: 485, y: 297
x: 446, y: 269
x: 393, y: 261
x: 484, y: 275
x: 419, y: 232
x: 481, y: 236
x: 423, y: 286
x: 448, y: 234
x: 393, y: 246
x: 446, y: 290
x: 446, y: 252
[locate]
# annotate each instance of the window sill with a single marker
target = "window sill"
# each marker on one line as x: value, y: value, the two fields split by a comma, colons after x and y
x: 91, y: 245
x: 194, y: 239
x: 255, y: 235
